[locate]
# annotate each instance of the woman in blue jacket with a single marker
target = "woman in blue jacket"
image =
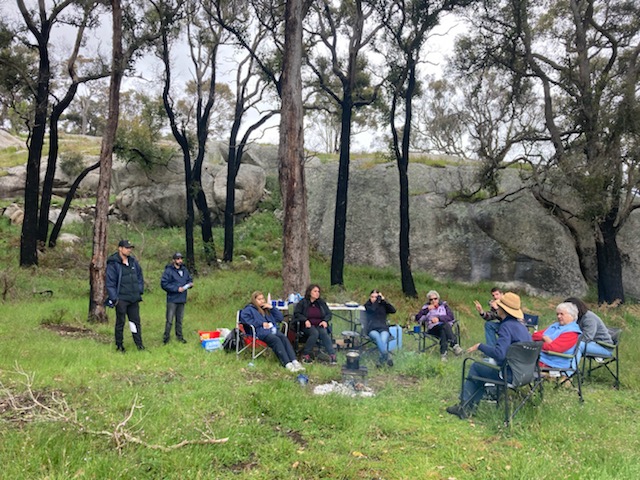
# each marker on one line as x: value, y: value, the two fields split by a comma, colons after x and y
x: 265, y: 319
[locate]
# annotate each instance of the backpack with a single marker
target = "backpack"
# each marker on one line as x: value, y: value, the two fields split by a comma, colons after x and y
x: 230, y: 341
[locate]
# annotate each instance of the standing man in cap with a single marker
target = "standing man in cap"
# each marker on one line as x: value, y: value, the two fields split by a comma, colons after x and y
x: 176, y: 280
x: 125, y: 286
x: 511, y: 331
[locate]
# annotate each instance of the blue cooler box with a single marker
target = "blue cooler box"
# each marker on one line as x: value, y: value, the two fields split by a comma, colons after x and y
x: 396, y: 343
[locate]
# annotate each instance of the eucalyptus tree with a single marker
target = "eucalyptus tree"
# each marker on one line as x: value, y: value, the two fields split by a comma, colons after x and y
x: 339, y: 34
x: 582, y: 58
x: 252, y: 95
x: 279, y: 61
x: 406, y: 28
x: 41, y: 22
x: 190, y: 115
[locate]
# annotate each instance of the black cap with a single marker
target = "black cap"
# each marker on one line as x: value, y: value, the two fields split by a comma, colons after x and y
x: 125, y: 244
x: 177, y: 255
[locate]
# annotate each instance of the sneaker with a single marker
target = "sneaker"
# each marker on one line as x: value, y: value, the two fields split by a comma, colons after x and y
x: 289, y: 366
x: 599, y: 359
x: 457, y: 350
x: 165, y: 341
x: 120, y: 348
x: 443, y: 357
x: 297, y: 366
x: 182, y: 340
x: 390, y: 362
x: 306, y: 359
x: 141, y: 347
x: 458, y: 411
x: 332, y: 359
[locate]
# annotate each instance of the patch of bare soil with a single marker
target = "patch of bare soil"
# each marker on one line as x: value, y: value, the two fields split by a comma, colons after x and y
x: 403, y: 381
x: 76, y: 332
x: 22, y: 408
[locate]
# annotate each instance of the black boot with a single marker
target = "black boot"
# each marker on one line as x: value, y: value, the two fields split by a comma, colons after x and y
x: 120, y: 348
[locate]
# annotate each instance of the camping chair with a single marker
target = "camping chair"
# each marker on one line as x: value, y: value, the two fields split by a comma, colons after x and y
x: 366, y: 344
x: 522, y: 365
x: 427, y: 341
x: 298, y: 337
x: 571, y: 374
x: 246, y: 339
x: 531, y: 322
x: 596, y: 362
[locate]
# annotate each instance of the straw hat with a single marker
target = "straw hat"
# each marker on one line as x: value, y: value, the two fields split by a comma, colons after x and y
x: 510, y: 303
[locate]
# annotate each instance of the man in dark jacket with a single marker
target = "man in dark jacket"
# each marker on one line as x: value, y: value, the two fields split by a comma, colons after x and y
x: 176, y: 280
x: 125, y: 286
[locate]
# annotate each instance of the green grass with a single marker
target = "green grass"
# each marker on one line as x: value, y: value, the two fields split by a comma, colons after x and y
x: 276, y: 428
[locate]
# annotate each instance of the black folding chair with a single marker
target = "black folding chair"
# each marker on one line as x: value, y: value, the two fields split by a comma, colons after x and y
x: 571, y: 374
x: 520, y: 371
x: 591, y: 362
x: 427, y: 341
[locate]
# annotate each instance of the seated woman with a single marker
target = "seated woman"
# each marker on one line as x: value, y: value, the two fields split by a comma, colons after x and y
x: 265, y: 319
x: 437, y: 318
x: 312, y: 316
x: 377, y: 309
x: 593, y: 330
x: 560, y: 337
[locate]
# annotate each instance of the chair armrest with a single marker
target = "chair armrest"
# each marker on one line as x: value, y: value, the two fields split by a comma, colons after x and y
x: 606, y: 344
x: 558, y: 354
x: 486, y: 364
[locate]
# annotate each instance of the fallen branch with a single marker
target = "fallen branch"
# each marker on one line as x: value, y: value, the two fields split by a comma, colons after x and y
x: 33, y: 408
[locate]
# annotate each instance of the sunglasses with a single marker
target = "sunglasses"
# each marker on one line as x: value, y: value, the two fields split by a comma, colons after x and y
x: 432, y: 299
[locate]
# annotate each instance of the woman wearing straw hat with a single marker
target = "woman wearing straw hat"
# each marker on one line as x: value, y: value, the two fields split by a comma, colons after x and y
x: 511, y: 331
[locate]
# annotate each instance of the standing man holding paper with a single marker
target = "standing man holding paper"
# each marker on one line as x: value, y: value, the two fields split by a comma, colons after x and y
x: 125, y: 286
x: 176, y: 280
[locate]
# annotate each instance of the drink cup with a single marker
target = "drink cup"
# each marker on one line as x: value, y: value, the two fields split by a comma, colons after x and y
x: 416, y: 329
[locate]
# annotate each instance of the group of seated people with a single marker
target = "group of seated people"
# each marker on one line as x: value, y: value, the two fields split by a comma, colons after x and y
x: 504, y: 325
x: 507, y: 326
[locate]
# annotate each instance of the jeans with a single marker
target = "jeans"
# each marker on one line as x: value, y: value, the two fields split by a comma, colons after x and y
x: 132, y: 311
x: 280, y: 345
x: 445, y: 332
x: 382, y: 340
x: 491, y: 333
x: 473, y: 390
x: 594, y: 349
x: 312, y: 335
x: 174, y: 310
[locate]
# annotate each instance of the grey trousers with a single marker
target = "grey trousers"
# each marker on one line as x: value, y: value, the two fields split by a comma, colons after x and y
x: 174, y: 310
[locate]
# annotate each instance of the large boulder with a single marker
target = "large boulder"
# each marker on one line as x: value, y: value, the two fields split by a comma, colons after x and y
x: 250, y: 183
x: 500, y: 241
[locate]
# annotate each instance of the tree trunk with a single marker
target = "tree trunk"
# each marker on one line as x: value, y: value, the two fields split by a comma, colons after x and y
x: 29, y: 235
x: 229, y: 207
x: 295, y: 240
x: 97, y: 267
x: 340, y: 221
x: 610, y: 288
x: 52, y: 159
x: 67, y: 203
x: 408, y: 285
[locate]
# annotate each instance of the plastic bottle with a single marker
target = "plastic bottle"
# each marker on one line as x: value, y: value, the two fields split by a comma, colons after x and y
x: 269, y: 298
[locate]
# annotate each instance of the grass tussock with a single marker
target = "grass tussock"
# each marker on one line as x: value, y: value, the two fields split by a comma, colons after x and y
x: 172, y: 394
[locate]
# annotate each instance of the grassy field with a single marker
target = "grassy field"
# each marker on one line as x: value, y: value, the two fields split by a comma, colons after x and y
x: 106, y: 415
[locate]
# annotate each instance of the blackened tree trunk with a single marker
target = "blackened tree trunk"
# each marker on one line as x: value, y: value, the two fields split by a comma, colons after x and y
x: 610, y: 288
x: 295, y: 240
x: 340, y: 217
x: 97, y: 267
x: 53, y: 239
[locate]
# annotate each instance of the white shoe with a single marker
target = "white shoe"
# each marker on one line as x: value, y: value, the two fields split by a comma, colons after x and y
x: 297, y: 364
x: 443, y: 357
x: 297, y: 367
x: 457, y: 350
x: 291, y: 367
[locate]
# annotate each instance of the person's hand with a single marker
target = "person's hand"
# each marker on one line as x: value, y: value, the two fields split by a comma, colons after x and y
x: 380, y: 296
x: 493, y: 304
x: 324, y: 324
x: 473, y: 348
x: 307, y: 324
x: 111, y: 303
x: 478, y: 307
x: 180, y: 289
x: 546, y: 339
x: 435, y: 320
x: 267, y: 305
x: 431, y: 306
x: 267, y: 325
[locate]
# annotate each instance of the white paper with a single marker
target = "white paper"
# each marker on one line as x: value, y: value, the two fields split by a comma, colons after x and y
x: 132, y: 327
x: 187, y: 286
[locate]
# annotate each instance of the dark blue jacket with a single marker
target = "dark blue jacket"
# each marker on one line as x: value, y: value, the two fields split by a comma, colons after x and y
x: 511, y: 330
x: 250, y: 315
x: 174, y: 278
x: 377, y: 315
x: 114, y: 278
